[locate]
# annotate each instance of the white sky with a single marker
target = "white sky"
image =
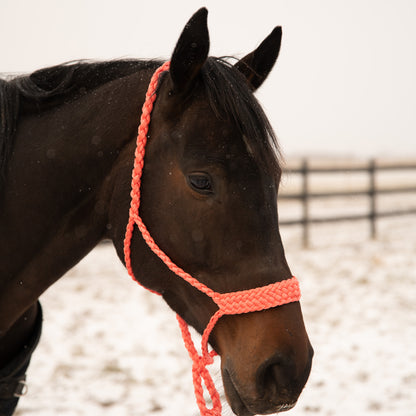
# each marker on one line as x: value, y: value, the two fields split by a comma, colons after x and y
x: 345, y: 82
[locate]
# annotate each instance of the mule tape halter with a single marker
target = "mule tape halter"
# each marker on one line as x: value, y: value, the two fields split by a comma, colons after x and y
x: 231, y: 303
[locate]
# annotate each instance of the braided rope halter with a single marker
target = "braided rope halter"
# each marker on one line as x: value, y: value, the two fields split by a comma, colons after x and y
x: 231, y: 303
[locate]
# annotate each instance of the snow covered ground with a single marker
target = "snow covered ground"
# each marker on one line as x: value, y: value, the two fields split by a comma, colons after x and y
x: 111, y: 348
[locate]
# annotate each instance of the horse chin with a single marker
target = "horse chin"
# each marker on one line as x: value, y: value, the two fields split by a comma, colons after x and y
x: 233, y: 398
x: 240, y: 408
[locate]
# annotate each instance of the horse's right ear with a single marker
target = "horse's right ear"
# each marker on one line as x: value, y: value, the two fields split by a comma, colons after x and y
x: 190, y: 52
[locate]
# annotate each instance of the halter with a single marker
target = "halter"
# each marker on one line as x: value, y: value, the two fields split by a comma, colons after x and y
x: 232, y: 303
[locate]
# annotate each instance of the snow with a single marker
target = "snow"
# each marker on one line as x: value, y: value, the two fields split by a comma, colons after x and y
x: 111, y: 348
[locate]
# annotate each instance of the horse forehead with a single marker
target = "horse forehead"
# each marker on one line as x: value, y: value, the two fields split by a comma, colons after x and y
x: 208, y: 136
x: 203, y: 130
x: 219, y: 145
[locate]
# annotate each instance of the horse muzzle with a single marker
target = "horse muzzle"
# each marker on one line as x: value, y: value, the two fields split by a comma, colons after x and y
x: 274, y: 390
x: 265, y: 359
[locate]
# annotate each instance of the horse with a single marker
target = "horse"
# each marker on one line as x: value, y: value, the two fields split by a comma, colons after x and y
x: 208, y: 196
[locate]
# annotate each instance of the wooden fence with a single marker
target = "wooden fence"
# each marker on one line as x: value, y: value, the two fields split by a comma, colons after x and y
x: 371, y: 168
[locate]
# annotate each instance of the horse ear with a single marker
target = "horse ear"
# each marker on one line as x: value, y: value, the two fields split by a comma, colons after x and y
x: 257, y: 65
x: 190, y: 52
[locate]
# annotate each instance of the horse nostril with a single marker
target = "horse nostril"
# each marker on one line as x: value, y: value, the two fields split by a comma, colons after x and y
x: 275, y: 376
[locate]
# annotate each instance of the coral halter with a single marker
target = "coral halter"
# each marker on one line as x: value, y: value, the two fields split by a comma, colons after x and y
x: 232, y: 303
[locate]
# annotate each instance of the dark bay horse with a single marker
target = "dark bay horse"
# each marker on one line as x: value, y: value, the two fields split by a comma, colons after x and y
x: 209, y: 198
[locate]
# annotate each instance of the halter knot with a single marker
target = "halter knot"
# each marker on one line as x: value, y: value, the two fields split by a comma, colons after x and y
x: 200, y: 373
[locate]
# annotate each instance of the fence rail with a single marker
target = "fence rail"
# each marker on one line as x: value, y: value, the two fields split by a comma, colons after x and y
x: 371, y: 168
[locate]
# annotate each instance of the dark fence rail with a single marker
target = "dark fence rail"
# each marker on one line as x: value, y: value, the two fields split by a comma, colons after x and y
x: 372, y: 168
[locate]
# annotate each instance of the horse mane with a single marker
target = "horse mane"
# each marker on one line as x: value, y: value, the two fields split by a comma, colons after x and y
x: 9, y: 106
x: 231, y: 99
x: 53, y: 86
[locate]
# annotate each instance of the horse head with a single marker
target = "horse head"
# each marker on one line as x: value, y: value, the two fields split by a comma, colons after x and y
x: 209, y: 198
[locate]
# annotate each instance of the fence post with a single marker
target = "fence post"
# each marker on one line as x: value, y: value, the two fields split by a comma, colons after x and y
x: 372, y: 195
x: 305, y: 203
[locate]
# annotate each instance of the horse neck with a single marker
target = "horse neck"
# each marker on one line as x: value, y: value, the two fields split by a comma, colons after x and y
x: 53, y: 209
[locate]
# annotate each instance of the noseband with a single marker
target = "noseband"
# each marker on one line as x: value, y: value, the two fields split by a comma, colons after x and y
x: 232, y: 303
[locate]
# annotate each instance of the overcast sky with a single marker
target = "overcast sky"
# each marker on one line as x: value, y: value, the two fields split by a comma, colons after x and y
x: 344, y: 84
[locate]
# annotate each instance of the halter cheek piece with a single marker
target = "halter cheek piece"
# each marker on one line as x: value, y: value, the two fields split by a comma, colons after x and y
x: 232, y: 303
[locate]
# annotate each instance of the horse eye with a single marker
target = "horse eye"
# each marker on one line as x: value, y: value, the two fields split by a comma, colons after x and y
x: 200, y: 182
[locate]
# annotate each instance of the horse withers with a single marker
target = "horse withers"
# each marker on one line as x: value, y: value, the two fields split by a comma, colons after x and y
x: 208, y: 197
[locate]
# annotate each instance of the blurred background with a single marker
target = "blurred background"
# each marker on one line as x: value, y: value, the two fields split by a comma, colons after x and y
x: 342, y: 99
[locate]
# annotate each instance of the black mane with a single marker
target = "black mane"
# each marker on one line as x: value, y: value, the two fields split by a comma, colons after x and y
x: 9, y: 107
x: 52, y: 86
x: 232, y: 99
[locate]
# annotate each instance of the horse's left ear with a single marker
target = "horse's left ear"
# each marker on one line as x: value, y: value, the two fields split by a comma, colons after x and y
x: 257, y: 65
x: 190, y: 52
